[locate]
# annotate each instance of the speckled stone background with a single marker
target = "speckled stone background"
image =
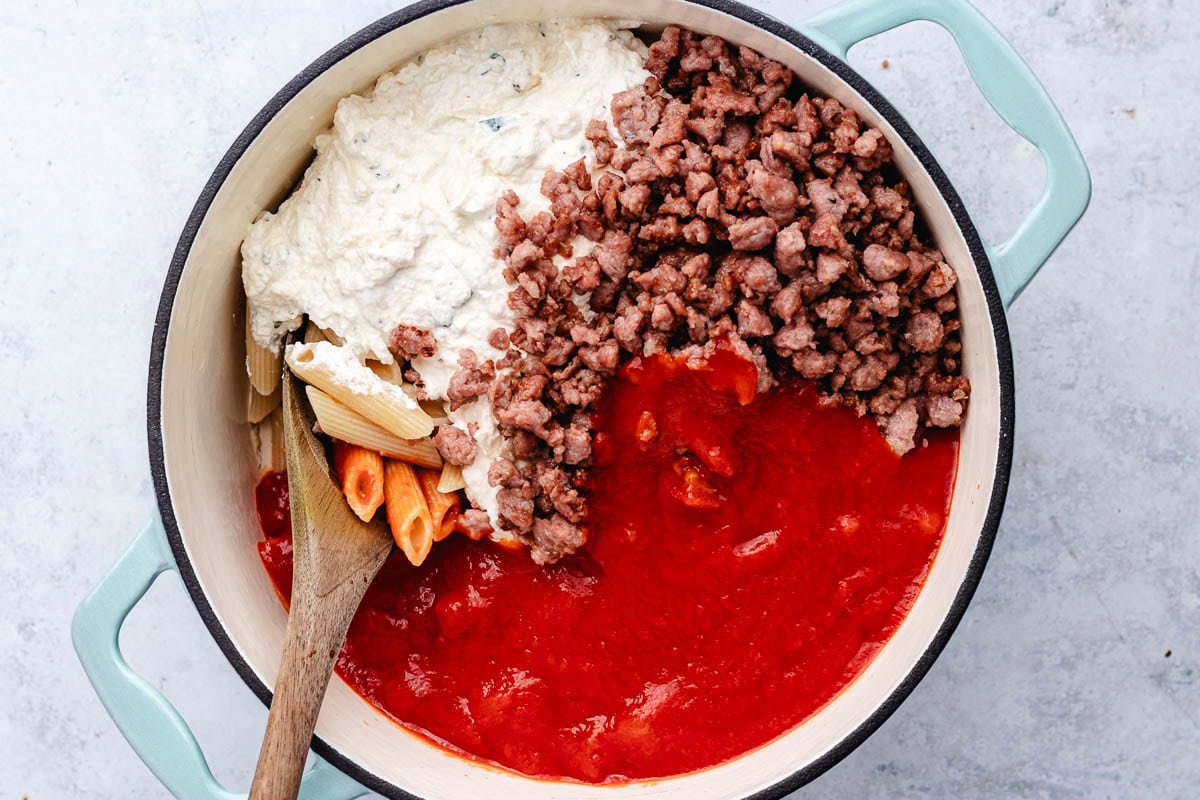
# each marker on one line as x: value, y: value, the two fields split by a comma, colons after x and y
x: 1076, y: 673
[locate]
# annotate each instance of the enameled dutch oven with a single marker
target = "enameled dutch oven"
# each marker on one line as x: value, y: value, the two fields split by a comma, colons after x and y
x: 204, y: 468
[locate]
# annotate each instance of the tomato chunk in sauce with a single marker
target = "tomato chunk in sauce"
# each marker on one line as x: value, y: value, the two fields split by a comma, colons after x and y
x: 747, y: 557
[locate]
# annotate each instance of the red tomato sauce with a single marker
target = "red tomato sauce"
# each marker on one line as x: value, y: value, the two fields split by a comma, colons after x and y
x: 745, y: 562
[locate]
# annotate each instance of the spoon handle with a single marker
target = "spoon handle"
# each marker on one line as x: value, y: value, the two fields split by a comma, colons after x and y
x: 316, y: 628
x: 334, y: 558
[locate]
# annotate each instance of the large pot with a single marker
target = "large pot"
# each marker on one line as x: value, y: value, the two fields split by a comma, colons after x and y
x: 204, y: 468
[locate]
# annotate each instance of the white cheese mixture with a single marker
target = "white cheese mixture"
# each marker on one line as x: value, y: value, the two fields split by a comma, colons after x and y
x: 393, y: 220
x: 351, y: 373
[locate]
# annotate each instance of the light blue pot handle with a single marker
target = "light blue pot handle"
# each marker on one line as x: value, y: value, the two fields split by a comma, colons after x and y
x: 1013, y: 91
x: 147, y: 719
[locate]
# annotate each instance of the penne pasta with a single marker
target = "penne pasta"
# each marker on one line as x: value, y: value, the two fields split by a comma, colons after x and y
x: 314, y: 333
x: 339, y: 374
x: 451, y: 479
x: 361, y: 473
x: 443, y: 506
x: 436, y: 410
x: 407, y: 511
x: 392, y: 373
x: 277, y: 454
x: 342, y: 423
x: 260, y: 442
x: 263, y: 365
x: 259, y: 405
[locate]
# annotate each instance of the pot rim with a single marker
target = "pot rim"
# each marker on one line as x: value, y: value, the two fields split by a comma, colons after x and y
x: 795, y: 38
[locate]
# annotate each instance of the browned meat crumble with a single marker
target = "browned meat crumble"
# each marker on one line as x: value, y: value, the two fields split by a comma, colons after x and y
x: 734, y: 209
x: 455, y: 445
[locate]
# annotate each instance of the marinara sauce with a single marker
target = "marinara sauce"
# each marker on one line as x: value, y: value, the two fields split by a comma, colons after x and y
x: 747, y: 557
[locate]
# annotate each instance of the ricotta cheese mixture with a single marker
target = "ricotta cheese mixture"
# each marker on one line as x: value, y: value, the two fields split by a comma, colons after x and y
x: 393, y: 220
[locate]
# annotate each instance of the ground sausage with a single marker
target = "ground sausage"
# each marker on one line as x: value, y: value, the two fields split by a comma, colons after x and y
x: 409, y: 341
x: 733, y: 209
x: 455, y: 445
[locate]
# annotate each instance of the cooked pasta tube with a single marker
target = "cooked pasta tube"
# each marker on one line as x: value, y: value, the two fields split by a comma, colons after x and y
x: 407, y: 511
x: 443, y: 506
x: 451, y: 479
x: 393, y: 374
x: 436, y: 410
x: 361, y: 473
x: 338, y: 373
x: 259, y: 405
x: 260, y: 441
x: 314, y: 333
x: 278, y: 454
x: 342, y: 423
x: 263, y: 365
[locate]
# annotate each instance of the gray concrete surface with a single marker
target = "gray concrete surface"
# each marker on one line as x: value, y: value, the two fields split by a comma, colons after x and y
x: 1058, y: 683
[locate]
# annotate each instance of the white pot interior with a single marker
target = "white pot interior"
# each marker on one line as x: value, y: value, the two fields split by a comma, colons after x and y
x: 211, y: 468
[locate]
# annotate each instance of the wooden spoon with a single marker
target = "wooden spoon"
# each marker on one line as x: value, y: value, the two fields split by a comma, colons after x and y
x: 335, y: 557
